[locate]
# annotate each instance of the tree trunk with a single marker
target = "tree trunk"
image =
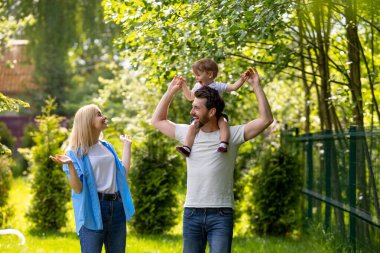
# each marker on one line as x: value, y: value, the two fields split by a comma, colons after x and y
x: 302, y: 61
x: 353, y: 48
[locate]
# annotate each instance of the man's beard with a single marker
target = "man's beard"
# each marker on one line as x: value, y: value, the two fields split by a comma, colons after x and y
x: 199, y: 124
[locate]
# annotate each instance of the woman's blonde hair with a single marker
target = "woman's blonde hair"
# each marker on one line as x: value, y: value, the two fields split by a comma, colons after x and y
x: 82, y: 134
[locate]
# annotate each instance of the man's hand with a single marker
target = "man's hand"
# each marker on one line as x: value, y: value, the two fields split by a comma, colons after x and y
x: 253, y: 76
x: 176, y: 84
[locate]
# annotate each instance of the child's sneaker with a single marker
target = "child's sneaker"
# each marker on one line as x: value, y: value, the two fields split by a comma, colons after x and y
x: 223, y: 147
x: 184, y: 150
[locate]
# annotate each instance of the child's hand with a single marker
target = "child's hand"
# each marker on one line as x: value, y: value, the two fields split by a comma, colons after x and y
x: 244, y: 77
x: 249, y: 72
x: 126, y: 139
x: 183, y: 81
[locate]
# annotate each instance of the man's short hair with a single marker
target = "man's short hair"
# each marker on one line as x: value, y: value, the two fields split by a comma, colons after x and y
x: 206, y: 65
x: 213, y: 99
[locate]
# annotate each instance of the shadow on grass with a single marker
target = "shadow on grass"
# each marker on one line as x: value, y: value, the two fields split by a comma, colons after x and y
x: 156, y: 237
x: 41, y: 233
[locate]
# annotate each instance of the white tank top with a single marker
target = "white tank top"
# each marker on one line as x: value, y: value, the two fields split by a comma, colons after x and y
x: 104, y: 168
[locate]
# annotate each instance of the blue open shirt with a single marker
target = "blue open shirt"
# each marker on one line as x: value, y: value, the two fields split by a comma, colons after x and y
x: 86, y: 204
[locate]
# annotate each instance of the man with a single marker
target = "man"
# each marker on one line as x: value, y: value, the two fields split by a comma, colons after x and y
x: 208, y: 212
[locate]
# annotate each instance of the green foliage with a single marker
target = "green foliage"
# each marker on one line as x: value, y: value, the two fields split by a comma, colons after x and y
x: 11, y: 104
x: 165, y: 38
x: 155, y: 175
x: 49, y: 186
x: 176, y: 33
x: 70, y: 47
x: 27, y: 139
x: 6, y: 137
x: 5, y: 184
x: 276, y: 194
x: 21, y: 167
x: 8, y: 104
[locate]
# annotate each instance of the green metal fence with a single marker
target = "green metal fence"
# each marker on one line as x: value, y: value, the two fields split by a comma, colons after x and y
x: 342, y: 183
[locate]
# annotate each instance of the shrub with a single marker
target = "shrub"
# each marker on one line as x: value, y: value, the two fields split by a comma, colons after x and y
x: 155, y: 176
x: 21, y: 166
x: 276, y: 194
x: 5, y: 184
x: 6, y: 137
x: 49, y: 187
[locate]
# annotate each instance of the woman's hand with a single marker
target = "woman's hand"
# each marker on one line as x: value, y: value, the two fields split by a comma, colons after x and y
x: 127, y: 140
x: 62, y: 159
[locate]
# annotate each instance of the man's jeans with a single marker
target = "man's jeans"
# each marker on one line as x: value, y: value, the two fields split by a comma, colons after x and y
x: 214, y: 225
x: 114, y: 231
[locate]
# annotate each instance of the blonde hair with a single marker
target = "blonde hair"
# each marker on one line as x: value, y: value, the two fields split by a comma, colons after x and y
x: 82, y: 134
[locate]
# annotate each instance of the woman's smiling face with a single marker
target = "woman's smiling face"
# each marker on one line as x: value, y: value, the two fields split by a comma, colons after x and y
x: 100, y: 121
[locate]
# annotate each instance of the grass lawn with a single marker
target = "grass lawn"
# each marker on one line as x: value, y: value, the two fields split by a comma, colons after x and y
x: 66, y: 241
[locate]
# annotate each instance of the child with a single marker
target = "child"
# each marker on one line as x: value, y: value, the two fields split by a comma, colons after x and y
x: 205, y: 71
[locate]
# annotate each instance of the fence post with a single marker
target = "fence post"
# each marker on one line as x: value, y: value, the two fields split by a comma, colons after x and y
x: 327, y: 160
x: 352, y: 186
x: 309, y: 175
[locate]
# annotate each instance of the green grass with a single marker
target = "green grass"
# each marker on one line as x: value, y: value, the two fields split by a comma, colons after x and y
x: 66, y: 241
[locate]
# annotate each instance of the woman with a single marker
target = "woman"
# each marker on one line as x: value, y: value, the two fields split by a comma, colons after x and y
x: 101, y: 196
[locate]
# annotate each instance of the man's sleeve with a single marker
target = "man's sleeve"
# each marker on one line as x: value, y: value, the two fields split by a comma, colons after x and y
x: 180, y: 132
x: 237, y: 134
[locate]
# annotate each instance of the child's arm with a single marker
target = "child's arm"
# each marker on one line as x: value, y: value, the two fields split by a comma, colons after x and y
x: 186, y: 91
x: 237, y: 84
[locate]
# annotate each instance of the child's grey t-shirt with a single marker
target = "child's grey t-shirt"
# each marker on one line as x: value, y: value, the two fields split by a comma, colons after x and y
x: 220, y: 87
x: 209, y: 172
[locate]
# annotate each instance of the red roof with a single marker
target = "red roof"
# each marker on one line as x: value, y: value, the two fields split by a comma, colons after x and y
x: 16, y: 73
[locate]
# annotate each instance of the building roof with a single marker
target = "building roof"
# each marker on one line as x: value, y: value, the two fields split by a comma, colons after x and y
x: 16, y: 73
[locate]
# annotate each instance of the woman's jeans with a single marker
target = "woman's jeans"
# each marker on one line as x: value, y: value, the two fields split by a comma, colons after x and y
x: 214, y: 225
x: 114, y: 230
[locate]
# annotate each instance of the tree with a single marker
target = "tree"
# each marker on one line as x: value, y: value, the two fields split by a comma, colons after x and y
x: 49, y: 186
x: 70, y: 47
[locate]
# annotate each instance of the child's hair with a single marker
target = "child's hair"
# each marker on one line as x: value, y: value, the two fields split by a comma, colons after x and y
x: 206, y: 65
x: 81, y: 137
x: 213, y: 99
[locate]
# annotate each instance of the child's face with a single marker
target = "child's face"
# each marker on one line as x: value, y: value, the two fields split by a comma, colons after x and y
x: 204, y: 77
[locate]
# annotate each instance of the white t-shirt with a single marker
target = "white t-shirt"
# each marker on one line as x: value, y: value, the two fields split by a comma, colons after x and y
x: 220, y: 87
x: 209, y: 172
x: 104, y: 168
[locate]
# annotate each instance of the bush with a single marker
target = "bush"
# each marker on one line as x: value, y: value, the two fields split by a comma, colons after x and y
x: 6, y: 137
x: 5, y: 184
x: 21, y: 167
x: 155, y: 176
x: 276, y: 194
x: 49, y: 187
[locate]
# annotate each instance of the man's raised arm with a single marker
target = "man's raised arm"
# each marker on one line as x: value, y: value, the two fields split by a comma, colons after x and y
x: 256, y: 126
x: 160, y: 116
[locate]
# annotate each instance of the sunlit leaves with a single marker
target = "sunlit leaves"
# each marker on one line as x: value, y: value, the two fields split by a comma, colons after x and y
x: 164, y: 38
x: 11, y: 104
